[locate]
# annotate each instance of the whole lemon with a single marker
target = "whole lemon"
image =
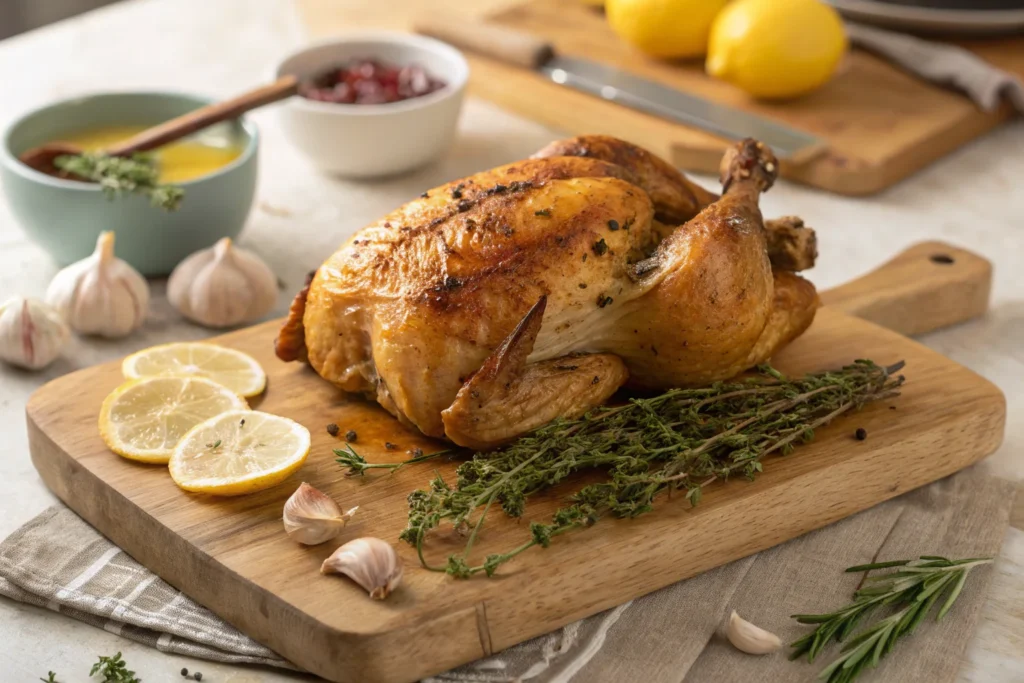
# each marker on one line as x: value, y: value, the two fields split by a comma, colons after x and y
x: 664, y: 28
x: 776, y: 48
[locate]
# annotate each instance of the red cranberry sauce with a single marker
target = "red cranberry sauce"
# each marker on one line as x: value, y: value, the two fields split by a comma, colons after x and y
x: 367, y: 81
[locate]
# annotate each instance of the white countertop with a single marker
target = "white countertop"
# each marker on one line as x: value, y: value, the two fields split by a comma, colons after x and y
x: 222, y: 47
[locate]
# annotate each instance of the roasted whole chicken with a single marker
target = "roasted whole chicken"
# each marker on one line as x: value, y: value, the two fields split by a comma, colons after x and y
x: 494, y: 304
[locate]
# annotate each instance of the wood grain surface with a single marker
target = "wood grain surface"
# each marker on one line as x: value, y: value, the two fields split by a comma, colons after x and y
x: 233, y: 556
x: 924, y: 288
x: 880, y: 124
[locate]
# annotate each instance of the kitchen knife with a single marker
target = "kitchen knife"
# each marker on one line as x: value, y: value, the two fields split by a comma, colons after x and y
x: 532, y: 52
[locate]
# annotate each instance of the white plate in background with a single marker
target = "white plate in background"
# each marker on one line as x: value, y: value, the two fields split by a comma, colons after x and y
x: 918, y: 18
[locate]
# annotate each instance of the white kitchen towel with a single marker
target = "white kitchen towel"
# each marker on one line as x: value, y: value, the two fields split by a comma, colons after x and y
x: 944, y: 64
x: 59, y: 562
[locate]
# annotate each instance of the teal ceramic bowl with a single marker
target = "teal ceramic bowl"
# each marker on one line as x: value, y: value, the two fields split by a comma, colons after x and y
x: 65, y: 217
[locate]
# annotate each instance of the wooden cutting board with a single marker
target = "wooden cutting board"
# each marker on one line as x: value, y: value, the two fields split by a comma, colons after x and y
x: 879, y: 123
x: 233, y: 556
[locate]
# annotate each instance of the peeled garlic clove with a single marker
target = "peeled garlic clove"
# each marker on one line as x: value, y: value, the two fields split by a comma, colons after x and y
x: 312, y: 517
x: 32, y: 334
x: 222, y: 286
x: 370, y: 562
x: 101, y: 294
x: 750, y: 638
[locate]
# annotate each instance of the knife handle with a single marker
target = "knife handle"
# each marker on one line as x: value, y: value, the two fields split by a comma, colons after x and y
x: 926, y: 287
x: 497, y: 42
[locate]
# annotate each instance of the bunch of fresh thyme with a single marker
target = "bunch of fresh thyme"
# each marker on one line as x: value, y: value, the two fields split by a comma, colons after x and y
x: 682, y: 439
x: 915, y: 589
x: 136, y: 174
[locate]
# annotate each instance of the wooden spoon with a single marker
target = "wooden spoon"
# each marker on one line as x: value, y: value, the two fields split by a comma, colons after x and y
x: 42, y: 158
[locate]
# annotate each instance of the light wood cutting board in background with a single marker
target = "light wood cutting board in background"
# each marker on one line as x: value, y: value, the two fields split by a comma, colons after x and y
x: 233, y: 556
x: 879, y: 123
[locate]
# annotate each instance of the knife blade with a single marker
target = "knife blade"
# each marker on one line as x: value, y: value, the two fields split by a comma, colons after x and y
x: 615, y: 85
x: 675, y: 105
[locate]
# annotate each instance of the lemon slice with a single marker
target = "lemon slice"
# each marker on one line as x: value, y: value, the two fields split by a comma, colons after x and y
x: 144, y: 418
x: 236, y: 370
x: 239, y: 452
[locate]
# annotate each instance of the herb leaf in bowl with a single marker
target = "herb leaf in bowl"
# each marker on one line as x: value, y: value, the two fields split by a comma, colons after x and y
x: 137, y: 174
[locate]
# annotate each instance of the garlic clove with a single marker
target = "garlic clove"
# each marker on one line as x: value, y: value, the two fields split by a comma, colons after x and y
x: 370, y: 562
x: 311, y: 517
x: 750, y: 638
x: 32, y: 334
x: 101, y: 294
x: 222, y: 286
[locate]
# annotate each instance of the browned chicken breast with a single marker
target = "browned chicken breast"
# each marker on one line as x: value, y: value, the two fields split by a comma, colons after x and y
x: 532, y: 291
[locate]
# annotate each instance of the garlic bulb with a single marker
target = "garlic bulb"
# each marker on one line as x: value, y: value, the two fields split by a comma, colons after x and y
x: 101, y: 294
x: 750, y: 638
x: 31, y: 333
x: 370, y: 562
x: 311, y: 517
x: 222, y: 286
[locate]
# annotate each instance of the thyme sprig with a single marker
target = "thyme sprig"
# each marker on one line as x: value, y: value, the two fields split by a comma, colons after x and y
x: 681, y: 439
x: 137, y: 174
x: 915, y: 588
x: 114, y: 670
x: 357, y: 464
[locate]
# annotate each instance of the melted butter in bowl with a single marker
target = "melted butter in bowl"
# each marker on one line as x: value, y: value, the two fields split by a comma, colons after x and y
x: 188, y: 159
x: 217, y: 168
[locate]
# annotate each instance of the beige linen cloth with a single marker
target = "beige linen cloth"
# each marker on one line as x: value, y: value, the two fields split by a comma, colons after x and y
x: 59, y: 562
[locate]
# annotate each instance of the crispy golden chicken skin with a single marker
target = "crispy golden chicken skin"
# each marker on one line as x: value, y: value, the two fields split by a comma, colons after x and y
x: 535, y: 290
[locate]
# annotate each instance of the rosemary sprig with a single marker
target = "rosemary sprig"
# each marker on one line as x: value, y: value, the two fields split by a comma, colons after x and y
x: 914, y: 589
x: 681, y: 439
x: 114, y: 670
x: 136, y: 174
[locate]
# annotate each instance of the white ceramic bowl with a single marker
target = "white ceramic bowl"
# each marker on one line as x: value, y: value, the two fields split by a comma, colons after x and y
x: 368, y: 140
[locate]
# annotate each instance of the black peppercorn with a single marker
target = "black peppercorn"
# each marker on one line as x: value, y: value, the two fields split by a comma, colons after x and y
x: 613, y: 225
x: 184, y: 673
x: 390, y: 446
x: 860, y: 434
x: 332, y: 429
x: 198, y: 676
x: 351, y: 436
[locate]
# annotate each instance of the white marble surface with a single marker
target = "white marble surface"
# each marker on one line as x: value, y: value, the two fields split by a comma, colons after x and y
x: 224, y: 46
